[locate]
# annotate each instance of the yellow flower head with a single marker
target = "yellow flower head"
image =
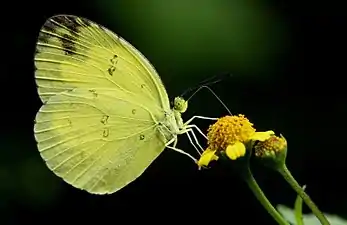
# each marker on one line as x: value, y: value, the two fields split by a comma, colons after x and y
x: 228, y: 130
x: 230, y: 134
x: 271, y: 146
x: 272, y: 152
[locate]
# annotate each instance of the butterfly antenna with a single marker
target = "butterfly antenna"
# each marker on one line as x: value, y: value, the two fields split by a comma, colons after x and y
x: 208, y: 88
x: 211, y: 80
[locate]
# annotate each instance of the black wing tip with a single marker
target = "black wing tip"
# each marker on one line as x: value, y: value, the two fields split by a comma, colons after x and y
x: 66, y: 27
x: 60, y: 16
x: 73, y: 18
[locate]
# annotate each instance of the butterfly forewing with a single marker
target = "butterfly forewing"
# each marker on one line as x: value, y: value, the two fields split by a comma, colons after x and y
x: 74, y: 52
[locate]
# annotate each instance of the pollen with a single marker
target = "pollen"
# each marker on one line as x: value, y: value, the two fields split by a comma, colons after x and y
x: 271, y: 146
x: 228, y: 130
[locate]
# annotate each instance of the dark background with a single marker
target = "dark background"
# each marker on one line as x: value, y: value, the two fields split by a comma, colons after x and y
x: 288, y: 64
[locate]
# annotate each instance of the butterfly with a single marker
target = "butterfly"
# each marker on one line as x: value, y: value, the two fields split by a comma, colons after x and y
x: 106, y: 115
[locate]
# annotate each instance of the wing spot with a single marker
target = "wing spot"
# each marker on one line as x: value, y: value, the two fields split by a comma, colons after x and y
x: 114, y: 60
x: 133, y: 111
x: 142, y: 137
x: 142, y: 85
x: 105, y: 132
x: 111, y: 70
x: 95, y: 94
x: 104, y: 119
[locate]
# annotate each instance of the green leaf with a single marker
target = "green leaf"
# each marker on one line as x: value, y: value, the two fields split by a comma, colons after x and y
x: 308, y: 219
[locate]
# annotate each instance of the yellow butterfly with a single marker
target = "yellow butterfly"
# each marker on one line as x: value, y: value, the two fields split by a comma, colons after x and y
x: 106, y: 114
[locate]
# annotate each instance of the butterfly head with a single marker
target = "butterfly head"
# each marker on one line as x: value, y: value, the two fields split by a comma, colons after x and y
x: 180, y: 104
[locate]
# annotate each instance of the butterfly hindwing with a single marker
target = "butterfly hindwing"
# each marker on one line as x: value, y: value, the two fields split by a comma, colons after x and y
x: 96, y: 140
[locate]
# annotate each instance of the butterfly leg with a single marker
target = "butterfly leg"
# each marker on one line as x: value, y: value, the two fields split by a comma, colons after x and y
x: 198, y: 117
x: 197, y: 128
x: 189, y: 126
x: 195, y: 139
x: 174, y: 141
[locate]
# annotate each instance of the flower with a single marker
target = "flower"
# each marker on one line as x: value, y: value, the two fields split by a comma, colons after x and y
x: 230, y: 134
x: 272, y: 152
x: 270, y: 147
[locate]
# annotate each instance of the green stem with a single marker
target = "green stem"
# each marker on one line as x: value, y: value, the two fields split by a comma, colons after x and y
x: 291, y: 180
x: 253, y: 185
x: 298, y: 209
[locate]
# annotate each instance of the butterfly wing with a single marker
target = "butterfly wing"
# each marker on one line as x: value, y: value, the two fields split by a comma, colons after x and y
x: 102, y: 102
x: 73, y: 52
x: 97, y: 140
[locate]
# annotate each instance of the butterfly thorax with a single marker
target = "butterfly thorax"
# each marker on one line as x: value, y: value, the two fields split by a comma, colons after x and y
x: 179, y: 120
x: 171, y: 126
